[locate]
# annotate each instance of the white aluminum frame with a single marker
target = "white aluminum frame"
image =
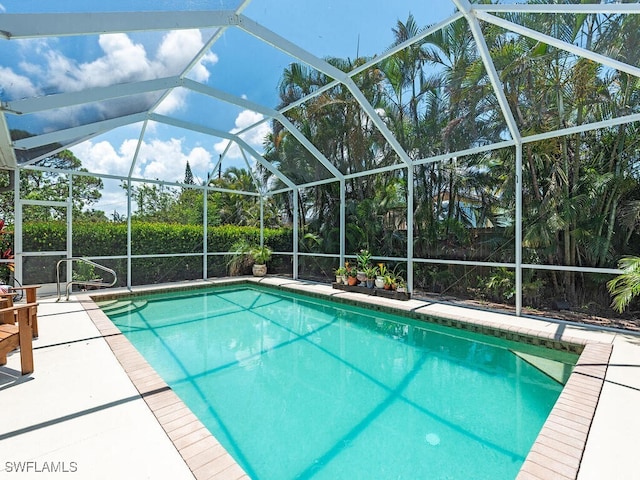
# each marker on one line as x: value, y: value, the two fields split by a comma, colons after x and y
x: 23, y: 26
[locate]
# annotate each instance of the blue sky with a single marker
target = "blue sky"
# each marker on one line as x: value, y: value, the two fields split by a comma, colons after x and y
x: 238, y: 64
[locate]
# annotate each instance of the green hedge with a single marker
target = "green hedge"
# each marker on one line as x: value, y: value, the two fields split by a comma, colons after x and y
x: 102, y: 239
x: 110, y: 239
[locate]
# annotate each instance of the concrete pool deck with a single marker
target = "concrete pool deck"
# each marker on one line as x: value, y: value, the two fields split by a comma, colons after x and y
x: 93, y: 410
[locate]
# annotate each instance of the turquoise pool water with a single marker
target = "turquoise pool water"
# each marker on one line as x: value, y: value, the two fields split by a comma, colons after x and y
x: 299, y: 388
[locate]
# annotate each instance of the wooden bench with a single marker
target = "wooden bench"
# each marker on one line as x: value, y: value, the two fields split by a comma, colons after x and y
x: 6, y: 301
x: 20, y: 335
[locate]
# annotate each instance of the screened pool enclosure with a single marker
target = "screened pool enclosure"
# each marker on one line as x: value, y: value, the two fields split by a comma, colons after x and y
x: 481, y: 149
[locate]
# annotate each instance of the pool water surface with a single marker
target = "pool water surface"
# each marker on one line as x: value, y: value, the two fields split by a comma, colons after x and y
x: 296, y: 387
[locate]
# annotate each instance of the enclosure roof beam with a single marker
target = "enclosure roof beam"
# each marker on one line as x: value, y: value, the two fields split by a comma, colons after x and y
x: 612, y: 122
x: 407, y: 43
x: 266, y: 111
x: 562, y: 45
x: 38, y: 25
x: 295, y: 51
x: 136, y: 154
x: 7, y: 155
x: 604, y: 8
x: 227, y: 97
x: 50, y: 153
x: 78, y: 132
x: 494, y: 78
x: 465, y: 152
x: 226, y: 135
x: 61, y: 100
x: 271, y: 38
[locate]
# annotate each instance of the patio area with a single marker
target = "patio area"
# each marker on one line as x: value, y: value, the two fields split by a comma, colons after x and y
x: 90, y: 410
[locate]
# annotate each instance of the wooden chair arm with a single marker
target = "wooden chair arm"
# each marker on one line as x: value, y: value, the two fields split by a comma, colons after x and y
x: 25, y: 287
x: 17, y: 307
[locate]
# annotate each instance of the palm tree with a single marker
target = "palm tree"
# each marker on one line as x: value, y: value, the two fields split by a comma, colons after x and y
x: 625, y: 286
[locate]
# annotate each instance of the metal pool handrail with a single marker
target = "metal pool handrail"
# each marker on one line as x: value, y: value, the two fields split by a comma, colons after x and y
x: 94, y: 283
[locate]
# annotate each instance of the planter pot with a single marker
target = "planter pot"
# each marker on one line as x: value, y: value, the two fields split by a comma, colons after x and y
x: 401, y: 290
x: 373, y: 292
x: 362, y: 277
x: 259, y: 270
x: 352, y: 281
x: 343, y: 278
x: 338, y: 279
x: 387, y: 286
x: 379, y: 282
x: 371, y: 282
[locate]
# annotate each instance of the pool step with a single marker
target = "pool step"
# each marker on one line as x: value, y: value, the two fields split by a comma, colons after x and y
x: 557, y: 370
x: 119, y: 307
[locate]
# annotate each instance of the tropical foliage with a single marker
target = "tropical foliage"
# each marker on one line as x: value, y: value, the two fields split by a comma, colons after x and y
x: 37, y: 185
x: 581, y: 191
x: 626, y: 286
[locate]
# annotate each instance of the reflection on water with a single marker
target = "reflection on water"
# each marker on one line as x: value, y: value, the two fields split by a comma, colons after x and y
x: 299, y: 388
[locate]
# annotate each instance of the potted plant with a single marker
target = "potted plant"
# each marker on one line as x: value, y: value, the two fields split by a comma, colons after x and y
x: 239, y: 258
x: 261, y: 255
x: 401, y: 285
x: 243, y: 256
x: 370, y: 273
x: 363, y: 259
x: 393, y: 278
x: 352, y: 275
x: 382, y: 271
x: 341, y: 274
x: 389, y: 281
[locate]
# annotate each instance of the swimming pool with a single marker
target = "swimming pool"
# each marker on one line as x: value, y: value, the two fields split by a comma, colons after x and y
x: 300, y: 388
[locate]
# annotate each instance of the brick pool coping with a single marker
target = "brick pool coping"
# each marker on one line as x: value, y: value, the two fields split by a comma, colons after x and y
x: 558, y: 449
x: 556, y: 453
x: 201, y: 451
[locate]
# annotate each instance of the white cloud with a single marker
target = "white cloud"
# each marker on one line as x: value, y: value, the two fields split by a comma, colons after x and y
x: 173, y: 102
x: 171, y: 54
x: 157, y: 159
x: 14, y: 85
x: 122, y: 60
x: 166, y: 160
x: 2, y: 9
x: 254, y: 137
x: 127, y: 61
x: 101, y: 157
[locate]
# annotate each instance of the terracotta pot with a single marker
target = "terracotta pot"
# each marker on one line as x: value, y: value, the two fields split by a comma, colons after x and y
x: 352, y: 281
